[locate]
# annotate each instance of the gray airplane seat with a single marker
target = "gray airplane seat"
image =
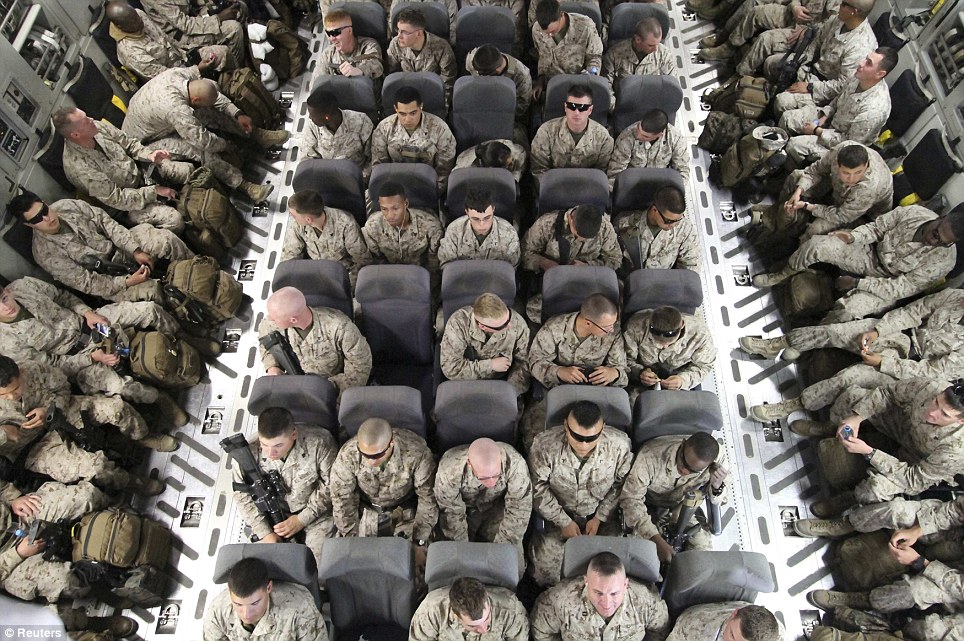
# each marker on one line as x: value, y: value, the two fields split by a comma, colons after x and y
x: 437, y: 19
x: 291, y: 562
x: 419, y: 179
x: 665, y: 412
x: 477, y: 26
x: 467, y: 410
x: 625, y: 15
x: 635, y: 187
x: 399, y: 404
x: 429, y: 84
x: 368, y: 20
x: 635, y: 95
x: 498, y: 181
x: 710, y: 576
x: 638, y: 556
x: 567, y: 187
x: 323, y: 282
x: 464, y: 280
x: 309, y: 398
x: 558, y: 87
x: 652, y: 288
x: 491, y: 563
x: 613, y: 401
x: 565, y: 287
x: 356, y: 93
x: 483, y: 107
x: 338, y: 181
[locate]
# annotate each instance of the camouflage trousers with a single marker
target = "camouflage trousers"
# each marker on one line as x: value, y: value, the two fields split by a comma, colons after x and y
x: 157, y: 215
x: 222, y: 168
x: 936, y: 627
x: 317, y: 533
x: 794, y: 110
x: 769, y: 44
x: 160, y: 243
x: 545, y: 551
x: 533, y: 422
x: 231, y: 35
x: 66, y: 462
x: 749, y: 20
x: 825, y: 392
x: 107, y: 410
x: 804, y: 150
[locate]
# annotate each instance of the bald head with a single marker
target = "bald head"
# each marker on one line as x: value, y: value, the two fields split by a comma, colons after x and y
x: 124, y: 16
x: 286, y: 307
x: 374, y: 434
x: 485, y: 459
x: 202, y: 92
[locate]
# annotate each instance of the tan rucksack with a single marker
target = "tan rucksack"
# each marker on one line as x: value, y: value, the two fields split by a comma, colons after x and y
x: 742, y: 96
x: 248, y: 93
x: 122, y: 539
x: 164, y: 360
x: 748, y: 157
x: 203, y: 282
x: 213, y: 224
x: 290, y: 55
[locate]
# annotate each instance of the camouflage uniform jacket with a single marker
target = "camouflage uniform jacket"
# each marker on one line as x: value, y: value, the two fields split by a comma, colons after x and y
x: 556, y: 345
x: 669, y: 150
x: 621, y: 61
x: 409, y: 472
x: 580, y: 48
x: 291, y: 615
x: 416, y: 244
x: 691, y: 356
x: 565, y: 487
x: 174, y: 16
x: 540, y: 241
x: 461, y: 243
x: 462, y: 332
x: 436, y: 56
x: 367, y: 56
x: 676, y: 247
x: 934, y: 517
x: 352, y: 141
x: 834, y: 53
x: 42, y: 387
x: 704, y: 622
x: 431, y: 143
x: 340, y: 240
x: 937, y: 337
x: 435, y: 621
x: 553, y: 147
x: 516, y: 71
x: 458, y: 491
x: 855, y: 115
x: 150, y: 52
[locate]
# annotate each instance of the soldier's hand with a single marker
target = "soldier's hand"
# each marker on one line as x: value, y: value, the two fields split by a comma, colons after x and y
x: 843, y: 235
x: 26, y: 506
x: 663, y: 549
x: 854, y: 423
x: 571, y: 374
x: 801, y: 15
x: 100, y: 356
x: 905, y: 556
x: 648, y: 377
x: 869, y: 358
x: 138, y: 277
x: 500, y: 364
x: 271, y: 538
x: 673, y: 382
x: 26, y: 549
x: 143, y: 258
x: 592, y: 526
x: 274, y: 371
x: 207, y: 62
x: 35, y: 418
x: 92, y: 318
x: 421, y: 554
x: 537, y: 88
x: 718, y: 474
x: 158, y: 156
x: 11, y: 433
x: 349, y: 70
x: 165, y: 192
x: 798, y: 87
x: 867, y: 339
x: 603, y: 375
x: 246, y: 123
x: 570, y: 530
x: 907, y: 537
x: 855, y: 445
x: 289, y: 527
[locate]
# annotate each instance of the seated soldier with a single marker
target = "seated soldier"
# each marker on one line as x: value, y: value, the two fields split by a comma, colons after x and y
x: 666, y: 470
x: 602, y: 601
x: 303, y: 456
x: 332, y: 133
x: 565, y: 43
x: 347, y: 54
x: 416, y: 49
x: 898, y: 255
x: 254, y: 606
x: 577, y: 471
x: 469, y: 608
x: 382, y: 484
x: 323, y: 340
x: 729, y: 620
x: 581, y: 235
x: 102, y: 161
x: 574, y: 139
x: 486, y: 341
x: 451, y: 7
x: 642, y: 54
x: 192, y: 31
x: 667, y: 349
x: 651, y: 142
x: 479, y: 234
x: 661, y: 237
x: 70, y: 233
x: 324, y: 233
x: 411, y: 135
x: 499, y: 154
x: 483, y: 493
x: 487, y: 60
x: 397, y: 234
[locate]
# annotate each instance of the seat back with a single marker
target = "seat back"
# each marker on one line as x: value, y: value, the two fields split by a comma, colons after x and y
x: 370, y: 581
x: 635, y: 95
x: 467, y: 410
x: 100, y: 31
x: 613, y: 401
x: 635, y: 187
x: 92, y: 92
x: 483, y: 107
x: 400, y: 405
x: 929, y: 165
x: 309, y: 398
x: 396, y: 318
x: 323, y: 282
x: 558, y: 87
x: 464, y: 280
x: 666, y: 412
x: 708, y: 576
x: 50, y: 156
x: 567, y: 187
x: 476, y: 26
x: 589, y: 9
x: 625, y: 15
x: 908, y: 100
x: 565, y: 287
x: 293, y: 563
x: 436, y: 17
x: 651, y: 288
x: 638, y: 555
x: 338, y: 181
x: 368, y: 19
x: 356, y: 93
x: 429, y: 85
x: 490, y: 563
x: 500, y: 183
x: 419, y: 179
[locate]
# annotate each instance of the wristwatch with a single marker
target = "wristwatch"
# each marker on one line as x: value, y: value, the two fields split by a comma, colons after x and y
x: 870, y: 454
x: 918, y: 565
x: 718, y: 491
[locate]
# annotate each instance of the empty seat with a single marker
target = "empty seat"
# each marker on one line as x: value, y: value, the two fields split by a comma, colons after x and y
x: 356, y: 93
x: 638, y: 556
x: 419, y: 179
x: 323, y: 282
x: 567, y: 187
x: 625, y: 15
x: 565, y: 287
x: 437, y: 18
x: 665, y: 412
x: 500, y: 183
x: 558, y: 86
x: 400, y: 405
x: 651, y: 288
x: 490, y: 563
x: 483, y: 107
x: 371, y: 587
x: 367, y: 19
x: 92, y: 93
x: 635, y: 187
x: 908, y: 100
x: 467, y: 410
x: 925, y: 169
x: 635, y: 95
x: 708, y: 576
x: 338, y: 181
x: 476, y: 26
x: 889, y: 32
x: 464, y: 280
x: 613, y: 401
x: 50, y: 156
x: 428, y: 84
x: 309, y: 398
x: 292, y: 562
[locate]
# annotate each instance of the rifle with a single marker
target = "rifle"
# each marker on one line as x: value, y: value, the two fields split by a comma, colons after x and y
x: 106, y: 267
x: 95, y: 438
x: 55, y: 534
x: 793, y: 59
x: 678, y: 533
x: 267, y: 489
x: 278, y: 346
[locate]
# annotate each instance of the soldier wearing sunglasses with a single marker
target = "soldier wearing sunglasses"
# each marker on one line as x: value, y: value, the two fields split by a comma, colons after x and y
x: 661, y: 237
x: 572, y: 140
x: 349, y: 55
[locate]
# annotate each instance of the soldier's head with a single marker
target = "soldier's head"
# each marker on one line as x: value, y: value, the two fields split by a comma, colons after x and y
x: 584, y: 221
x: 489, y: 61
x: 123, y: 15
x: 33, y: 212
x: 9, y: 307
x: 470, y: 604
x: 696, y: 453
x: 323, y: 110
x: 10, y: 381
x: 307, y: 207
x: 584, y: 425
x: 276, y: 432
x: 751, y: 623
x: 597, y: 316
x: 876, y: 66
x: 339, y: 29
x: 202, y: 92
x: 578, y: 107
x: 287, y: 307
x: 375, y: 441
x: 490, y: 313
x: 853, y: 12
x: 485, y: 461
x: 668, y: 208
x: 647, y: 35
x: 393, y: 203
x: 410, y: 27
x: 652, y: 126
x: 493, y: 153
x: 606, y: 583
x: 249, y: 588
x: 666, y: 325
x: 480, y: 209
x: 408, y: 107
x: 74, y: 125
x: 943, y: 231
x: 852, y: 163
x: 947, y: 407
x: 550, y: 17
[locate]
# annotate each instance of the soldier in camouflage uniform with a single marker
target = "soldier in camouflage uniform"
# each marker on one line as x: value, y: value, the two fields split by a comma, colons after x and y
x: 400, y: 235
x: 451, y: 7
x: 325, y: 341
x: 332, y: 133
x: 416, y: 49
x: 501, y: 153
x: 70, y: 231
x: 412, y: 135
x: 643, y: 54
x: 581, y: 235
x: 191, y: 32
x: 651, y: 142
x: 572, y: 140
x: 605, y: 604
x: 348, y: 55
x: 666, y: 469
x: 468, y: 608
x: 661, y: 237
x: 487, y: 60
x: 729, y: 620
x: 486, y: 340
x: 479, y: 234
x: 255, y: 607
x: 303, y: 456
x: 324, y: 233
x: 565, y: 43
x: 903, y: 252
x: 667, y: 348
x: 577, y: 471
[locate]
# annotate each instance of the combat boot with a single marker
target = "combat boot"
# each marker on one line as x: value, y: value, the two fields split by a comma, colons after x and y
x: 697, y: 5
x: 853, y: 620
x: 767, y: 347
x: 172, y: 410
x: 269, y: 137
x: 725, y: 51
x: 773, y: 278
x: 769, y: 412
x: 834, y: 506
x: 119, y: 626
x: 256, y: 193
x: 718, y: 10
x: 146, y: 486
x: 827, y: 600
x: 813, y: 429
x: 713, y: 40
x: 160, y: 442
x: 822, y: 528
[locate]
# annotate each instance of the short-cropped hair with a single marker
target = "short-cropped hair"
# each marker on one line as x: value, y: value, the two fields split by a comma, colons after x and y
x: 853, y: 156
x: 275, y: 422
x: 587, y: 220
x: 585, y: 413
x: 467, y: 597
x: 307, y: 202
x: 247, y: 577
x: 547, y: 11
x: 606, y: 564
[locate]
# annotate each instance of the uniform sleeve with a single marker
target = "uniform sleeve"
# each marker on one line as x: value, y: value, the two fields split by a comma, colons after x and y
x: 517, y: 628
x: 101, y: 187
x: 540, y: 153
x: 936, y: 265
x: 357, y: 357
x: 447, y: 250
x: 622, y: 464
x: 808, y: 178
x: 616, y: 358
x: 605, y: 151
x: 701, y: 361
x: 944, y: 367
x: 265, y: 327
x: 937, y: 467
x: 344, y: 494
x: 879, y: 400
x: 141, y: 62
x: 425, y: 624
x: 546, y: 620
x: 445, y: 153
x: 535, y: 242
x: 934, y: 518
x: 426, y: 515
x: 9, y: 560
x: 543, y: 500
x: 913, y: 315
x: 294, y: 244
x: 56, y: 387
x: 309, y: 142
x: 448, y: 70
x: 519, y: 371
x: 215, y: 626
x: 320, y: 502
x: 610, y: 254
x: 380, y: 144
x: 622, y: 149
x: 68, y: 272
x: 874, y: 231
x: 656, y: 616
x: 65, y: 299
x: 355, y: 245
x: 393, y: 56
x: 517, y: 503
x: 542, y: 355
x: 448, y: 494
x: 609, y: 68
x: 681, y: 158
x: 370, y: 62
x: 948, y: 581
x: 594, y: 50
x: 633, y: 497
x: 689, y: 256
x: 311, y: 626
x: 188, y: 127
x: 454, y: 364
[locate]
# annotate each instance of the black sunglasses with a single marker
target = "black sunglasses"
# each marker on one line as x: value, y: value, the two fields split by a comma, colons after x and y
x: 682, y: 460
x: 378, y: 455
x: 580, y: 437
x: 668, y: 221
x: 575, y: 106
x: 957, y: 387
x: 337, y: 31
x: 664, y: 333
x: 494, y: 328
x: 44, y: 210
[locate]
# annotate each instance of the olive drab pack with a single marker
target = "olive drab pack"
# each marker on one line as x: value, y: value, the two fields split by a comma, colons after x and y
x: 749, y: 156
x: 722, y: 130
x: 290, y: 56
x: 810, y: 295
x: 120, y: 538
x: 248, y: 93
x: 164, y: 360
x: 213, y: 224
x: 743, y: 96
x: 200, y: 292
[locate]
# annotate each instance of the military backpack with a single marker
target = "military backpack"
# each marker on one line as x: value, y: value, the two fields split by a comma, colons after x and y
x: 743, y: 96
x: 290, y: 56
x: 248, y: 93
x: 213, y: 224
x: 200, y: 292
x: 723, y: 130
x: 164, y: 360
x: 121, y: 538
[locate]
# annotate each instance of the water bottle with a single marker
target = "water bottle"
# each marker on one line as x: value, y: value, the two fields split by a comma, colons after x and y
x: 594, y: 71
x: 848, y: 432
